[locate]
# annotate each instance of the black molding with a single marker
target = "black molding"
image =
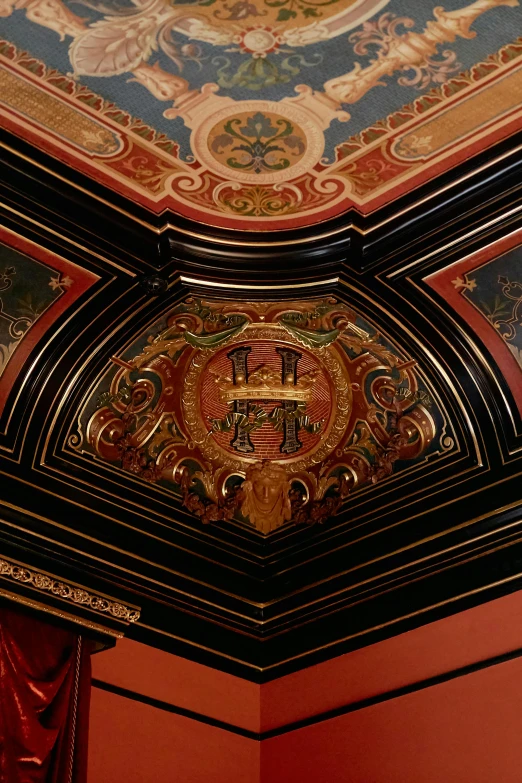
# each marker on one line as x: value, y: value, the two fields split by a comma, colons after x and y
x: 445, y: 537
x: 345, y: 709
x: 448, y: 205
x: 174, y: 709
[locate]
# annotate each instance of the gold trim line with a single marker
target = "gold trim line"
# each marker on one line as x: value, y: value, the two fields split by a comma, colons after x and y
x: 250, y: 286
x: 67, y: 592
x: 19, y: 599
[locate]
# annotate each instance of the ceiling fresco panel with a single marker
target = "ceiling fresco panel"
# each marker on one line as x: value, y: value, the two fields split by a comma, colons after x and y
x: 261, y: 115
x: 36, y: 288
x: 485, y: 289
x: 260, y: 313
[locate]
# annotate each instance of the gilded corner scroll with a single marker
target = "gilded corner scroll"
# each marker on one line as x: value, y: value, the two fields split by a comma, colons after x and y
x: 262, y: 413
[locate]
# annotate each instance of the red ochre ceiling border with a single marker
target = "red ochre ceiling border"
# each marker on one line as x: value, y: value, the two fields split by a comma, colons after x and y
x: 460, y: 150
x: 82, y: 281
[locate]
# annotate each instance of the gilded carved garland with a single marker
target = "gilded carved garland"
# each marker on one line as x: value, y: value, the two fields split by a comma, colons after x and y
x: 72, y: 593
x: 265, y: 413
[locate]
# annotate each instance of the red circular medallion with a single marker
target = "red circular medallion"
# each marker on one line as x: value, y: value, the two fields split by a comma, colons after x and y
x: 266, y: 400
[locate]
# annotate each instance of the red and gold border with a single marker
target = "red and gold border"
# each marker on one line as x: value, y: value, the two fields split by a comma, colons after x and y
x: 83, y: 280
x: 385, y: 161
x: 441, y: 282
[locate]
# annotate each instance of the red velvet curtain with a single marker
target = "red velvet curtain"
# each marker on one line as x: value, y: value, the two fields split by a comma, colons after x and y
x: 45, y: 682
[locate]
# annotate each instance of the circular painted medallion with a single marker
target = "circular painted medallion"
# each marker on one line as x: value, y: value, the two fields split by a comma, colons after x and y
x: 259, y: 41
x: 257, y: 142
x: 260, y: 142
x: 266, y: 400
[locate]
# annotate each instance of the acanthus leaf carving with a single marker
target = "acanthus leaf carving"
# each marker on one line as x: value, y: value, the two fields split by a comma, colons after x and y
x: 269, y: 413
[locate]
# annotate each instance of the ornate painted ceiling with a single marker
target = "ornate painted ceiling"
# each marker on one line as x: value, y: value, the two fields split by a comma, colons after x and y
x: 261, y: 115
x: 260, y: 319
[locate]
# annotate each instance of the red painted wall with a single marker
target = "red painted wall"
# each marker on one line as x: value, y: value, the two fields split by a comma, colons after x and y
x: 466, y: 638
x: 468, y: 729
x: 131, y: 742
x: 464, y: 731
x: 186, y: 684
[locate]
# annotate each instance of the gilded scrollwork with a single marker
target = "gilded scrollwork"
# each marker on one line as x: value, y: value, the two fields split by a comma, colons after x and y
x: 271, y: 413
x: 67, y: 592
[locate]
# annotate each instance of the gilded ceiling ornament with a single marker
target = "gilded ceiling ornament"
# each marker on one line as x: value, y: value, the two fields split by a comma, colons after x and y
x: 265, y: 413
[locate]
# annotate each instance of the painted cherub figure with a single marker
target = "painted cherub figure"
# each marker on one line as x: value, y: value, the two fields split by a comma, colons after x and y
x: 266, y: 501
